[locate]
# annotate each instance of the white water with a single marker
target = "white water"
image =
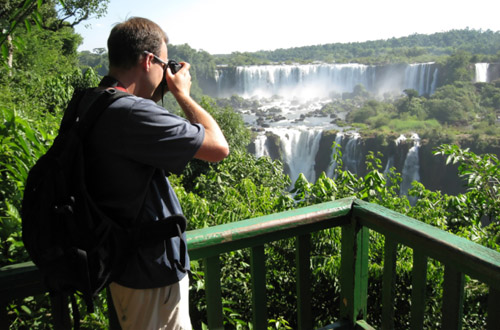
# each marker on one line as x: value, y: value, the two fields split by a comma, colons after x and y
x: 411, y: 168
x: 421, y: 77
x: 260, y: 146
x: 320, y: 80
x: 389, y: 165
x: 299, y: 146
x: 301, y: 81
x: 350, y: 155
x: 481, y: 72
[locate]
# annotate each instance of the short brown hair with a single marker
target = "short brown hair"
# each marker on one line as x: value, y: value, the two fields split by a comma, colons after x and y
x: 128, y: 40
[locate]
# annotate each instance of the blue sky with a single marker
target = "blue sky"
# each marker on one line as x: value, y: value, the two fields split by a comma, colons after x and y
x: 226, y: 26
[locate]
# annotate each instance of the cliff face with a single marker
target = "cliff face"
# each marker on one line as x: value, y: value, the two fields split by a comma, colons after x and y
x: 411, y: 157
x: 433, y: 172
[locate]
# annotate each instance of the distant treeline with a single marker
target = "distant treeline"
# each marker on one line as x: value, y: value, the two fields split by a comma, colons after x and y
x: 415, y: 48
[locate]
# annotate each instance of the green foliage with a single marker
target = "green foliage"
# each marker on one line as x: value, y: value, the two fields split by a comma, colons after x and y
x: 459, y: 108
x: 410, y: 49
x: 455, y: 68
x: 22, y: 143
x: 97, y: 60
x: 20, y: 16
x: 483, y: 181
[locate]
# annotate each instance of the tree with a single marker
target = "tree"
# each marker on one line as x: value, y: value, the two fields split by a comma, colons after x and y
x: 72, y: 12
x: 456, y: 68
x: 97, y: 59
x: 44, y: 14
x: 447, y: 111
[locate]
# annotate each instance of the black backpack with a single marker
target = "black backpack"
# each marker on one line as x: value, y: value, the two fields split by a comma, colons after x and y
x: 77, y: 247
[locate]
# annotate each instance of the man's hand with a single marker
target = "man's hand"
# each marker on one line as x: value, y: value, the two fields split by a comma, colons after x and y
x: 180, y: 83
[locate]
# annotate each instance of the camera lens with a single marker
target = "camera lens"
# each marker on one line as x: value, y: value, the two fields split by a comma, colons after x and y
x: 174, y: 66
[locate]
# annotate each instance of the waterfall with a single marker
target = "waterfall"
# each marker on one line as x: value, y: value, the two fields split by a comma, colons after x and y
x: 389, y: 165
x: 411, y: 168
x: 421, y: 77
x: 333, y: 165
x: 308, y: 80
x: 299, y: 147
x: 350, y: 155
x: 320, y: 80
x: 260, y: 146
x: 482, y: 72
x: 400, y: 139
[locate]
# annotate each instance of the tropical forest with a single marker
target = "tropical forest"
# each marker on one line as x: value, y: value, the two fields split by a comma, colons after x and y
x: 411, y: 124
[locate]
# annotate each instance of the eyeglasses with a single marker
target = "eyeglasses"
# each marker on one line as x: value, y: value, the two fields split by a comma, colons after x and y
x: 162, y: 62
x: 174, y: 66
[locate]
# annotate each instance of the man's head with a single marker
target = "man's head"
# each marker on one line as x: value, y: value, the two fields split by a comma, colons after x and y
x: 128, y: 41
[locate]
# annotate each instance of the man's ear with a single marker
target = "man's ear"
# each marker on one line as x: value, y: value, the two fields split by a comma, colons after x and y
x: 147, y: 62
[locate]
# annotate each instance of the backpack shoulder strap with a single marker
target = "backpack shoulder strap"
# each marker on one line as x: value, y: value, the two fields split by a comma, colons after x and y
x: 88, y: 117
x: 84, y: 116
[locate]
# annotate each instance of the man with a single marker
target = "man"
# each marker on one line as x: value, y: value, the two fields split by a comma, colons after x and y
x: 133, y: 147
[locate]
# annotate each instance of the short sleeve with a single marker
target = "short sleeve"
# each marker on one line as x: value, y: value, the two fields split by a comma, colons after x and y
x: 153, y: 136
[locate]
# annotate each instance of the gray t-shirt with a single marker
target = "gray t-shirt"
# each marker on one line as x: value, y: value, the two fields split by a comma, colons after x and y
x: 134, y: 145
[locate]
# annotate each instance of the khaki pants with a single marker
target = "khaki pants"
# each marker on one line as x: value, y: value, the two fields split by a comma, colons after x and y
x: 153, y: 309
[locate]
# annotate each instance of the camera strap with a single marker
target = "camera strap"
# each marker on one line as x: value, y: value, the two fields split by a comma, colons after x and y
x: 109, y: 81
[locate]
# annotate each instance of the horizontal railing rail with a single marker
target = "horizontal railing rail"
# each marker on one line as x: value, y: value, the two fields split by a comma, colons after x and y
x: 356, y: 218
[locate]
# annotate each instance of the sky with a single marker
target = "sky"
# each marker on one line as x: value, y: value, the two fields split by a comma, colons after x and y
x: 226, y: 26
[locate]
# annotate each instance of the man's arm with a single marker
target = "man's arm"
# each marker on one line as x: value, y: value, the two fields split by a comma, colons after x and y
x: 214, y: 147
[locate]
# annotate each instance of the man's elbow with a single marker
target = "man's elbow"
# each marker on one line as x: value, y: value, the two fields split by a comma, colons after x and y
x: 220, y: 153
x: 214, y: 153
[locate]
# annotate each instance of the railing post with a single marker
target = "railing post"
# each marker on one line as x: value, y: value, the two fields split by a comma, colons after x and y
x: 453, y: 298
x: 259, y: 302
x: 302, y: 259
x: 60, y: 311
x: 354, y: 272
x: 493, y: 308
x: 4, y: 323
x: 418, y: 282
x: 389, y: 283
x: 213, y: 293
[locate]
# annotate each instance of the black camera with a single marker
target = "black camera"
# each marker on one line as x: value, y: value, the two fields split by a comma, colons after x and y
x: 174, y: 66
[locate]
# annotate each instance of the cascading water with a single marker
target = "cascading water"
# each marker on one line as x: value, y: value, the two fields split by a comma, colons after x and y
x: 421, y: 77
x: 260, y: 146
x: 389, y: 164
x: 319, y: 80
x: 299, y: 147
x: 411, y: 168
x: 308, y: 80
x: 481, y: 72
x: 333, y: 165
x: 351, y: 157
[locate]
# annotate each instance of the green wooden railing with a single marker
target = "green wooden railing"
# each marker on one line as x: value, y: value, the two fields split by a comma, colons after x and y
x: 458, y: 255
